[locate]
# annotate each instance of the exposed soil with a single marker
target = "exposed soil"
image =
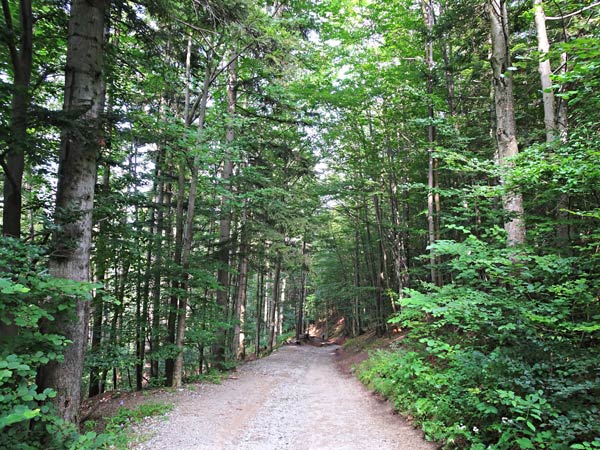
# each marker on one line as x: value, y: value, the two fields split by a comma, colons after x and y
x: 350, y: 356
x: 294, y: 399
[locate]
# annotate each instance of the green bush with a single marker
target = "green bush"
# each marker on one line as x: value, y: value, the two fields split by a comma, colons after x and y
x: 28, y: 298
x: 505, y: 357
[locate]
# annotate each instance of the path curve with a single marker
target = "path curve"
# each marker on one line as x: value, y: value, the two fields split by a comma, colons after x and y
x: 295, y: 399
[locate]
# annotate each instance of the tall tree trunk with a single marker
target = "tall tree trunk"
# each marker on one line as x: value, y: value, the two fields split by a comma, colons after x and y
x: 158, y: 261
x: 281, y: 309
x: 13, y: 165
x: 142, y: 327
x: 267, y: 300
x: 356, y: 300
x: 374, y: 270
x: 398, y: 240
x: 506, y: 128
x: 382, y: 258
x: 175, y: 283
x: 119, y: 307
x: 96, y: 387
x: 141, y: 307
x: 432, y: 196
x: 239, y: 348
x: 562, y: 125
x: 561, y: 115
x: 275, y: 303
x: 301, y: 296
x: 75, y: 193
x: 225, y: 219
x: 259, y: 306
x: 545, y: 71
x: 555, y: 119
x: 188, y: 235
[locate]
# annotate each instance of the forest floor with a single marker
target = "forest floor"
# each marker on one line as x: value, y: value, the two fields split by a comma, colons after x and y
x: 297, y: 398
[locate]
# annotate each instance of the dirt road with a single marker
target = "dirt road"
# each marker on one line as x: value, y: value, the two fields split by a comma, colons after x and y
x: 293, y: 399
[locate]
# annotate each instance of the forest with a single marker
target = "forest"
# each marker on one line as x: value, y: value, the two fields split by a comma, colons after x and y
x: 189, y: 183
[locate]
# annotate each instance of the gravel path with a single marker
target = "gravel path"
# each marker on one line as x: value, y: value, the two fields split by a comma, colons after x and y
x: 294, y: 399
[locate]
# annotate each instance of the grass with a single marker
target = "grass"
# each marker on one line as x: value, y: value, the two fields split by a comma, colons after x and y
x: 117, y: 433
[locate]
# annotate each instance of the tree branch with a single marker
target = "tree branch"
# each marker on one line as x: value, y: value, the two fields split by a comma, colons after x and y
x: 194, y: 27
x: 9, y: 176
x: 10, y: 36
x: 273, y: 118
x: 561, y: 17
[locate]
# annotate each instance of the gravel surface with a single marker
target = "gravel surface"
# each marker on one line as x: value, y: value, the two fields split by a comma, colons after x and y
x: 294, y: 399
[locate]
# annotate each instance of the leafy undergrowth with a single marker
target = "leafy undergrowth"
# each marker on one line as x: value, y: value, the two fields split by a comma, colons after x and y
x: 212, y: 376
x: 504, y: 359
x: 117, y: 432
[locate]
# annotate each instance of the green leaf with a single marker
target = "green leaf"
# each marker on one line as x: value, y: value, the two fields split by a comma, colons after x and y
x: 525, y: 443
x: 20, y: 414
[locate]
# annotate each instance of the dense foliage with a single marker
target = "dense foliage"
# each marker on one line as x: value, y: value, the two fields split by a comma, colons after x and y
x: 500, y: 346
x: 260, y: 165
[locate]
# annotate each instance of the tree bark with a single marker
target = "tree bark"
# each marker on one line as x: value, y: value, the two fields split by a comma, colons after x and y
x: 555, y: 119
x: 188, y: 236
x: 75, y: 193
x: 175, y: 283
x: 398, y: 241
x: 506, y: 128
x: 96, y: 386
x: 545, y: 71
x: 275, y: 303
x: 156, y: 282
x: 13, y: 165
x: 356, y: 323
x: 225, y: 219
x: 239, y: 347
x: 259, y: 306
x: 281, y: 309
x: 302, y: 294
x: 382, y: 276
x: 432, y: 195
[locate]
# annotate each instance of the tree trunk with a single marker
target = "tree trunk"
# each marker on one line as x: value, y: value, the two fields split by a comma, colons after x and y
x: 374, y: 270
x: 175, y: 283
x: 432, y: 195
x: 275, y: 303
x: 301, y: 296
x: 188, y: 236
x: 141, y: 309
x: 178, y: 283
x: 545, y: 70
x: 239, y: 349
x: 259, y: 306
x: 506, y: 129
x: 75, y: 193
x: 96, y: 387
x: 13, y: 166
x: 356, y: 300
x: 225, y: 219
x: 555, y: 119
x: 398, y: 240
x: 280, y: 313
x: 156, y: 272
